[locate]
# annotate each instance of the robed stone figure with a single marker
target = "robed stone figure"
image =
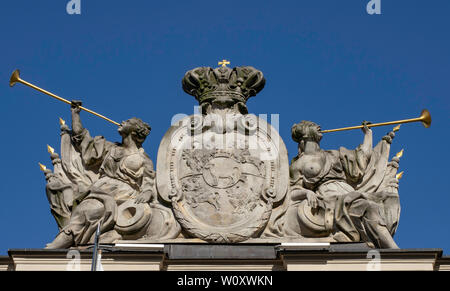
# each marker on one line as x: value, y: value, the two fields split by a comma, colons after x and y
x: 124, y: 175
x: 343, y: 195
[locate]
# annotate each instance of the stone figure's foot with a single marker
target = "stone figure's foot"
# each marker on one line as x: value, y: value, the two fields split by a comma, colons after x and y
x: 385, y: 238
x: 389, y: 243
x: 381, y: 236
x: 62, y: 241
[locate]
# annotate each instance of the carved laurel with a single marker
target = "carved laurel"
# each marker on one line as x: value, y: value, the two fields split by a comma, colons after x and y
x: 212, y: 235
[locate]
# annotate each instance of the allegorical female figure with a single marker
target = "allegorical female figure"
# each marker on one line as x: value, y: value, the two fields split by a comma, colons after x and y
x: 337, y: 192
x: 125, y: 173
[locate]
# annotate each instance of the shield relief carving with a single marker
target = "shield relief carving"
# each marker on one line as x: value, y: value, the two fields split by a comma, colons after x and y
x: 222, y: 178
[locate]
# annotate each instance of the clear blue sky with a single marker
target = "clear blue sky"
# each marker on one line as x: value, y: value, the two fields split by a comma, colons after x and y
x: 325, y: 61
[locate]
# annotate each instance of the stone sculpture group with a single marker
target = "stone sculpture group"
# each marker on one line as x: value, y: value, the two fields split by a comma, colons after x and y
x: 222, y: 176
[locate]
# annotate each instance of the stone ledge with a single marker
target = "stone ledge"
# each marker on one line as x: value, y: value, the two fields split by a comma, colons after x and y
x: 443, y: 263
x: 5, y: 263
x: 228, y: 252
x: 183, y: 257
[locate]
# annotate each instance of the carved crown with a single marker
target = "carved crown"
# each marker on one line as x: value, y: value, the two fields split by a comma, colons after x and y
x: 223, y: 84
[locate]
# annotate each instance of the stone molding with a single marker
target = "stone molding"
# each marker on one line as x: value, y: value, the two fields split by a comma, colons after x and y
x: 207, y: 257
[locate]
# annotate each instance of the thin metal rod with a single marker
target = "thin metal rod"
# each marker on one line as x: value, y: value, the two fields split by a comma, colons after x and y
x: 95, y: 251
x: 65, y: 100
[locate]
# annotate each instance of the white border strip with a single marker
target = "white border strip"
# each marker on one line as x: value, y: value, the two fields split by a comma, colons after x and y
x: 305, y: 245
x: 140, y: 246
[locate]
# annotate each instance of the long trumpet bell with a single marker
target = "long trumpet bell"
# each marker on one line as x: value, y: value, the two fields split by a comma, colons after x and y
x: 15, y: 78
x: 424, y: 118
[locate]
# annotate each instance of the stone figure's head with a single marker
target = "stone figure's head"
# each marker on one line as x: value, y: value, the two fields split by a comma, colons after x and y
x: 306, y: 131
x: 138, y: 129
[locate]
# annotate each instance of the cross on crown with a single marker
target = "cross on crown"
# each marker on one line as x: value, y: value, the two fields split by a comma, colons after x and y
x: 224, y: 63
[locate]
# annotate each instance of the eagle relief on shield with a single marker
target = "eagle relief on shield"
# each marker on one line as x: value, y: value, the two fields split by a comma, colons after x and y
x: 224, y: 169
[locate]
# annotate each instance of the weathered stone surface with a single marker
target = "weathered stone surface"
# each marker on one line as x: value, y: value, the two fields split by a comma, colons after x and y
x: 222, y: 170
x: 349, y: 195
x: 222, y: 176
x: 111, y: 186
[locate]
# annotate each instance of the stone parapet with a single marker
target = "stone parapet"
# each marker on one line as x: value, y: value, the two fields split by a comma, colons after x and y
x: 231, y: 257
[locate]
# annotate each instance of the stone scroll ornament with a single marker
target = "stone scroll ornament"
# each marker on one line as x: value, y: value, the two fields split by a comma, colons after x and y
x: 222, y: 176
x: 222, y: 170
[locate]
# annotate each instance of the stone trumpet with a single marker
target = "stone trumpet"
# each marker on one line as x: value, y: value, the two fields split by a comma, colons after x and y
x: 15, y: 78
x: 425, y: 118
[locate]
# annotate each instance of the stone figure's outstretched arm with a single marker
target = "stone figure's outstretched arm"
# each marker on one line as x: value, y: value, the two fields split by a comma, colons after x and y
x: 355, y: 162
x: 92, y: 150
x: 367, y: 145
x: 77, y: 127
